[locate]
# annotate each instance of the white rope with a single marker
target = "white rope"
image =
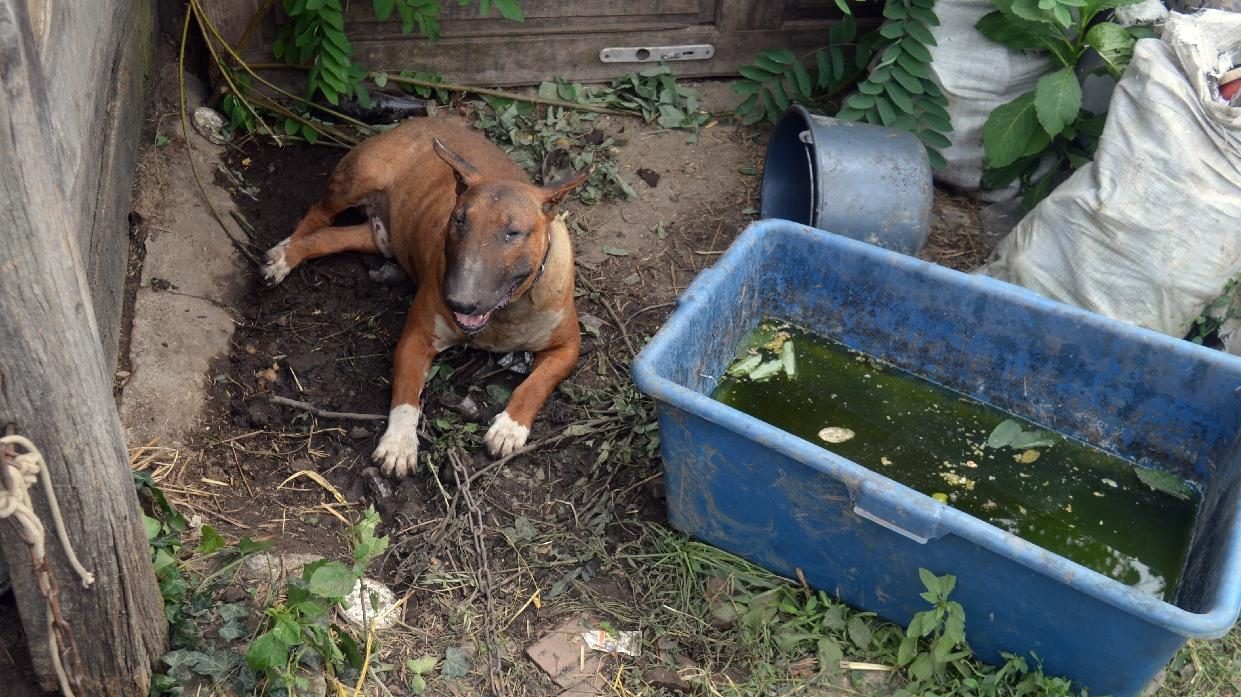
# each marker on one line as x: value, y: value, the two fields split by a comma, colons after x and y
x: 16, y: 479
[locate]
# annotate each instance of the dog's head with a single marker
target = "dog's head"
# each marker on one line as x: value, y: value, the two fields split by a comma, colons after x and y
x: 498, y: 239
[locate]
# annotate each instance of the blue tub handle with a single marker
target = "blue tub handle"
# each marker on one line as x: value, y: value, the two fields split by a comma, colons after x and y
x: 899, y: 509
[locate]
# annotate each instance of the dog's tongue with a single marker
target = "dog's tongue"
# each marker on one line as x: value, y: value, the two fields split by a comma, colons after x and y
x: 471, y: 322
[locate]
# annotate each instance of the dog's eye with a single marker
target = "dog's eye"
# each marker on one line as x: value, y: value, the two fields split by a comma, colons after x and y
x: 458, y: 219
x: 512, y: 234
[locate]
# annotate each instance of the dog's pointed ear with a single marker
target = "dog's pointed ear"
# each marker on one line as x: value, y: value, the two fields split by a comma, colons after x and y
x: 467, y: 175
x: 555, y: 192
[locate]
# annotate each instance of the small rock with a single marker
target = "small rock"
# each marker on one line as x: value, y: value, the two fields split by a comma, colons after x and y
x: 559, y: 652
x: 211, y: 125
x: 234, y: 594
x: 316, y: 684
x: 376, y: 484
x: 650, y: 176
x: 359, y: 433
x: 666, y: 679
x: 371, y: 602
x: 269, y: 568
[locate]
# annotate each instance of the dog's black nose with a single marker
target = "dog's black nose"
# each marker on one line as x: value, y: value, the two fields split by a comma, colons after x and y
x: 462, y: 306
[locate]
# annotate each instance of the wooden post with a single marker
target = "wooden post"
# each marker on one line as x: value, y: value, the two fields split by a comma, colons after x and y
x: 55, y: 390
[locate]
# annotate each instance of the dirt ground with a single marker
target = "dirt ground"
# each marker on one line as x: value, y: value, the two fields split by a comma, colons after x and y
x: 552, y: 519
x: 548, y: 534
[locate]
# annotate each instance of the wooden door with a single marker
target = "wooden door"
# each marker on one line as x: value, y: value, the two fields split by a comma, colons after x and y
x: 564, y: 38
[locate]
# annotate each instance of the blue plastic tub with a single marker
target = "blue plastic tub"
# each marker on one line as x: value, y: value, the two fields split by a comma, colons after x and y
x: 787, y: 504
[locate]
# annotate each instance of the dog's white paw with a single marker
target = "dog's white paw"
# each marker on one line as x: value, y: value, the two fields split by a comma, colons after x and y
x: 505, y: 436
x: 275, y: 267
x: 397, y: 453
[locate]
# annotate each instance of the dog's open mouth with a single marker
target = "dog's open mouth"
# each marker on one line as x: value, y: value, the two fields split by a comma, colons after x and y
x: 475, y: 323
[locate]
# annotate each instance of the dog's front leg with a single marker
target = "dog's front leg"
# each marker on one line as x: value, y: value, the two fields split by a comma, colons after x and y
x: 511, y: 427
x: 397, y: 453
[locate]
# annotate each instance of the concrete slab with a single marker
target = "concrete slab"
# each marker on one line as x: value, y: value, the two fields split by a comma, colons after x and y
x: 192, y: 272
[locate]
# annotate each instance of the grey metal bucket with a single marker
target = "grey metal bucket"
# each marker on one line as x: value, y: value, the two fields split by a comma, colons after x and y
x: 867, y: 182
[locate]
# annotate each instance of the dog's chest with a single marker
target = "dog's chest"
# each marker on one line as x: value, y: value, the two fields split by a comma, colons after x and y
x: 519, y: 327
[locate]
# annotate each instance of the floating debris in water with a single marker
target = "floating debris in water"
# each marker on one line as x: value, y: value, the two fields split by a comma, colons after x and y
x: 1027, y: 457
x: 836, y: 434
x: 940, y: 496
x: 955, y: 479
x: 1110, y: 482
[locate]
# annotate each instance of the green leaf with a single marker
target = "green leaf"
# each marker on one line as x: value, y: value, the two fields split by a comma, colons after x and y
x: 1113, y: 44
x: 381, y: 79
x: 802, y: 78
x: 1008, y: 129
x: 830, y: 655
x: 248, y: 546
x: 920, y: 33
x: 823, y: 64
x: 934, y: 139
x: 211, y: 542
x: 892, y: 30
x: 861, y: 102
x: 899, y: 97
x: 151, y: 526
x: 844, y: 7
x: 1057, y: 99
x: 859, y: 632
x: 1164, y: 482
x: 310, y: 133
x: 456, y: 663
x: 1032, y: 439
x: 850, y: 114
x: 908, y: 649
x: 913, y: 67
x: 1029, y: 10
x: 782, y: 56
x: 329, y: 579
x: 1062, y: 15
x: 740, y: 87
x: 1017, y: 34
x: 870, y: 87
x: 916, y: 50
x: 770, y: 65
x: 924, y: 15
x: 886, y: 113
x: 383, y: 9
x: 266, y: 653
x: 923, y: 667
x: 417, y: 684
x: 1001, y: 436
x: 911, y: 84
x: 511, y: 10
x: 422, y: 666
x: 755, y: 73
x: 895, y: 10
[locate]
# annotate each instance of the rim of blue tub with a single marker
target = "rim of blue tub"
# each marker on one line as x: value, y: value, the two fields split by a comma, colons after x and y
x: 1223, y: 605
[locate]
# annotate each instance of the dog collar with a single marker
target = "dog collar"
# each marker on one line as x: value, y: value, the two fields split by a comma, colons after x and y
x: 543, y: 264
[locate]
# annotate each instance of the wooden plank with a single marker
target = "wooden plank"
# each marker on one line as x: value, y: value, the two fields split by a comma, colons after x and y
x: 530, y: 60
x: 743, y: 15
x: 231, y: 17
x: 55, y: 389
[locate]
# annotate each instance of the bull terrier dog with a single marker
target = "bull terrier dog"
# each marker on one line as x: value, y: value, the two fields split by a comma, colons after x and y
x: 492, y: 261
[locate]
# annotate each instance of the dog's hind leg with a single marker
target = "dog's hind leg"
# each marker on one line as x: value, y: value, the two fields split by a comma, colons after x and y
x: 351, y: 184
x: 326, y: 241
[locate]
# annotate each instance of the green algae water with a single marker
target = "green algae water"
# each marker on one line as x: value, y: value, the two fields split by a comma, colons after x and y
x: 1061, y: 494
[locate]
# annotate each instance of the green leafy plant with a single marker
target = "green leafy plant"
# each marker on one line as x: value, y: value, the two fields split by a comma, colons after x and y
x: 888, y: 77
x: 1042, y: 135
x: 314, y: 35
x: 300, y: 630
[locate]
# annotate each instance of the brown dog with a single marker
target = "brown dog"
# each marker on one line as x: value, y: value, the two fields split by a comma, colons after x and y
x: 493, y: 264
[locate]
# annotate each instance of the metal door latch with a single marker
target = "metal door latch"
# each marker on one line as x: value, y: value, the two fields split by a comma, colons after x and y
x: 647, y: 54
